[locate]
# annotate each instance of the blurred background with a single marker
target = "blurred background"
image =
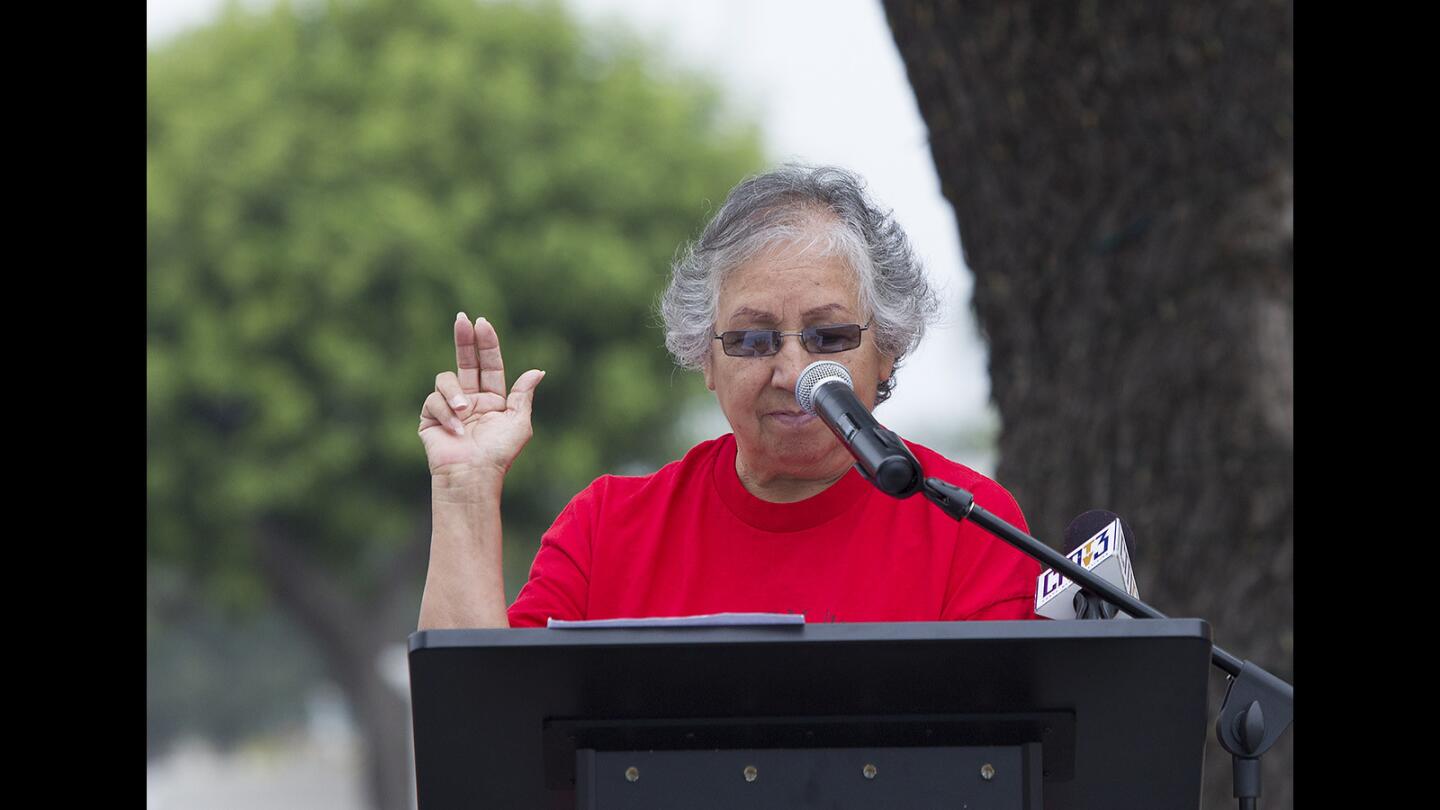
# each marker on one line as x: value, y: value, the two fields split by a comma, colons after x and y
x: 329, y: 182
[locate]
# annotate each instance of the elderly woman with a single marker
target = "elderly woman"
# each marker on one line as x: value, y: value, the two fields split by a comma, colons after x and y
x: 798, y: 265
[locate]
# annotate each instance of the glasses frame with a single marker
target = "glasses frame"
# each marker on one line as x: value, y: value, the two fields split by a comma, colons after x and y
x: 804, y: 341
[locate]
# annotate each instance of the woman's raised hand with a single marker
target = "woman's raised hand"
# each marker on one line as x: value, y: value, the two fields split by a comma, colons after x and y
x: 469, y: 425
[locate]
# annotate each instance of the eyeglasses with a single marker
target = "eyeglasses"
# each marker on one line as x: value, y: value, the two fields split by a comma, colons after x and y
x: 840, y: 337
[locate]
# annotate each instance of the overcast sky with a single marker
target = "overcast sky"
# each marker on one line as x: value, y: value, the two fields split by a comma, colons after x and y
x: 825, y: 81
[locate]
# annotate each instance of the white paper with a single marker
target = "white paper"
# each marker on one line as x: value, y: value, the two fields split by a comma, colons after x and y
x: 707, y: 620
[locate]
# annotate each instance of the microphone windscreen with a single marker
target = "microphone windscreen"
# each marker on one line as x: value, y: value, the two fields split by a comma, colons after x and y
x: 811, y: 377
x: 1086, y: 526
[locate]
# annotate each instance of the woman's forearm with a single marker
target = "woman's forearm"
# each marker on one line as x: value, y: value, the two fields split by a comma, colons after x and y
x: 465, y: 583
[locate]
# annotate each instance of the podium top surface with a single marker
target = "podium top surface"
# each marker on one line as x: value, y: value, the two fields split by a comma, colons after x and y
x: 866, y: 632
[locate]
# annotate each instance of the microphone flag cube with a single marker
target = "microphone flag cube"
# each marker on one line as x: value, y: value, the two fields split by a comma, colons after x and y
x: 1106, y: 554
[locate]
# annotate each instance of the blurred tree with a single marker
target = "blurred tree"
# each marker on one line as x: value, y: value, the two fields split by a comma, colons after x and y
x: 326, y: 187
x: 1122, y: 177
x: 222, y: 680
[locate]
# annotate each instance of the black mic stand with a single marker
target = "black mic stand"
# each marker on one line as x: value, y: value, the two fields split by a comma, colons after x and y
x: 1258, y: 706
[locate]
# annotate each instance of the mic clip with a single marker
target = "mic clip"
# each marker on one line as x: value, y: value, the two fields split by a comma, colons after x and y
x: 951, y: 499
x: 1089, y: 605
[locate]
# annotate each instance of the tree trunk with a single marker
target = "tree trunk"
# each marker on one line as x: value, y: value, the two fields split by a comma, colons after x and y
x: 1121, y: 174
x: 351, y: 638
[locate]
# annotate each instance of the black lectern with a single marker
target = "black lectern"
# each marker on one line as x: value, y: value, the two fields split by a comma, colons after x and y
x: 1023, y: 715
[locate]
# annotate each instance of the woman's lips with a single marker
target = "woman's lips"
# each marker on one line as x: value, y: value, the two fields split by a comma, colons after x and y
x: 792, y: 418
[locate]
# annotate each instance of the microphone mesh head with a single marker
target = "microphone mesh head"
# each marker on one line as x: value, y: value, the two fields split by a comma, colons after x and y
x: 813, y: 375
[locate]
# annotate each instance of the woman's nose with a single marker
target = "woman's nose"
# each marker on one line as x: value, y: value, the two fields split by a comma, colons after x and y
x: 789, y: 362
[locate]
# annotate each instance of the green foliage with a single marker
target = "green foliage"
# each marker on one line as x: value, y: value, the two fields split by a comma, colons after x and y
x: 326, y: 187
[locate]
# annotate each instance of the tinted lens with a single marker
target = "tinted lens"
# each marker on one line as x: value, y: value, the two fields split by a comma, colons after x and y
x: 750, y: 342
x: 829, y: 339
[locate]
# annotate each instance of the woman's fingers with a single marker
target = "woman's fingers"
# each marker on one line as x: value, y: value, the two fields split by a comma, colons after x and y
x: 486, y: 402
x: 467, y: 361
x: 522, y: 396
x: 448, y: 386
x: 438, y: 412
x: 492, y: 366
x: 477, y: 386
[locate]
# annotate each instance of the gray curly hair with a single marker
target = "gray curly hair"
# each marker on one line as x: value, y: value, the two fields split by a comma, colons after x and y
x: 828, y: 207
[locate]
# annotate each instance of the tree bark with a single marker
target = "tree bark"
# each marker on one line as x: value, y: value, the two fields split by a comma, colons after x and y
x: 351, y: 638
x: 1121, y: 174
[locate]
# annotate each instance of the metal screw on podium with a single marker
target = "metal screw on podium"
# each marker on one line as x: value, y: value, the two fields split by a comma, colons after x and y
x: 869, y: 771
x: 751, y: 773
x: 632, y: 774
x: 987, y: 772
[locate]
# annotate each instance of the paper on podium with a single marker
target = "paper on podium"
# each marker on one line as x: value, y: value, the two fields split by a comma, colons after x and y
x: 706, y: 620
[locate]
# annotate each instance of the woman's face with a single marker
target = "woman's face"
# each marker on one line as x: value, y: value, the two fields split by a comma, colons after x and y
x: 786, y: 290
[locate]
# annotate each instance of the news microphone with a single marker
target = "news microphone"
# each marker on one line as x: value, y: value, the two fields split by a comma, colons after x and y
x: 826, y: 390
x: 1100, y: 542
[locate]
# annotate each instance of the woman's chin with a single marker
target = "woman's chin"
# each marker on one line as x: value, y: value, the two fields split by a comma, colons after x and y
x: 804, y: 450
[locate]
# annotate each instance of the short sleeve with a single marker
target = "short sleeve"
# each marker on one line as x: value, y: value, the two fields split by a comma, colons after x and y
x: 989, y: 578
x: 559, y: 582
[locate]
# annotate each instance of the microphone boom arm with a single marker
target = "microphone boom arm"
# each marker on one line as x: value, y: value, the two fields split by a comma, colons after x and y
x: 1258, y: 706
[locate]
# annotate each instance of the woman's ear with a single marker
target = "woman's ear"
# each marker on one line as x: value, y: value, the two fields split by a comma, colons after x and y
x: 707, y: 369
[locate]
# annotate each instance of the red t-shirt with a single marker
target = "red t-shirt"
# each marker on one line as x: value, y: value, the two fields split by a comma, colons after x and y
x: 690, y: 539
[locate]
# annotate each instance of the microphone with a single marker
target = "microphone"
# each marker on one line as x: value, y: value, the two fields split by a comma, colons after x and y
x: 1099, y: 541
x: 826, y: 390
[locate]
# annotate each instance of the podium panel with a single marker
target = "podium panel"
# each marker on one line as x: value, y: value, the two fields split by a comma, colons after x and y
x: 938, y: 778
